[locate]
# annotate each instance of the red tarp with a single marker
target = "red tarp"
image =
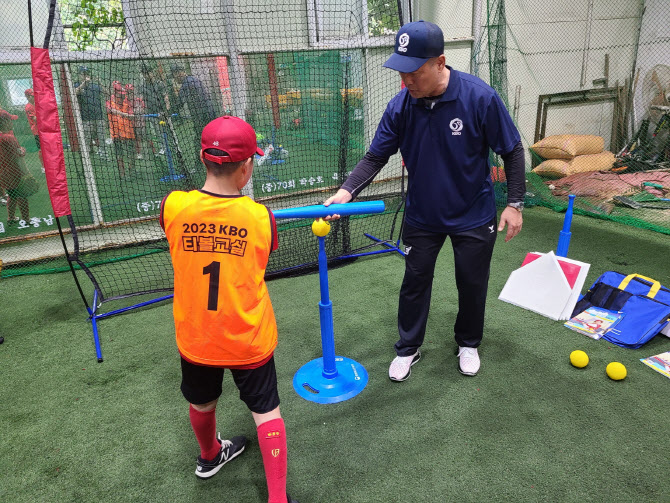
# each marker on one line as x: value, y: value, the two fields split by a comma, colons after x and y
x: 48, y: 124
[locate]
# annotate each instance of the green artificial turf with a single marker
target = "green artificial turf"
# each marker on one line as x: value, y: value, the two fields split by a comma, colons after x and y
x: 529, y: 427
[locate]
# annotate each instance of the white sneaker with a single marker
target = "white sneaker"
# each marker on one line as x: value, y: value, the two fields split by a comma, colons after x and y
x: 139, y: 156
x: 161, y: 152
x: 401, y: 366
x: 468, y: 361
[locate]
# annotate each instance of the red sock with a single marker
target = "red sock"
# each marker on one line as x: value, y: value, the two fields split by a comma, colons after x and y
x: 204, y: 427
x: 272, y: 442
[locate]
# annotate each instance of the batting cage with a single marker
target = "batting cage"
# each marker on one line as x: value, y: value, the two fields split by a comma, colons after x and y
x: 108, y: 99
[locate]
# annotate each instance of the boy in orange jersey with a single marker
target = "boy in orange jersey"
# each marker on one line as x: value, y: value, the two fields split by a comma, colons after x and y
x: 32, y: 121
x: 220, y: 242
x: 121, y: 128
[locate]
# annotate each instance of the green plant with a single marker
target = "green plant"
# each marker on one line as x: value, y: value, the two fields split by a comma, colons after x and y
x: 382, y: 17
x: 95, y: 24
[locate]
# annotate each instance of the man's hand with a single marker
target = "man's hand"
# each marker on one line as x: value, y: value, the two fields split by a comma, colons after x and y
x: 341, y: 196
x: 511, y: 218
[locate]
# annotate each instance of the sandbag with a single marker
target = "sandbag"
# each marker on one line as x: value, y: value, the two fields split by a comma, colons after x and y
x: 559, y: 168
x: 568, y: 146
x: 552, y: 168
x: 592, y: 162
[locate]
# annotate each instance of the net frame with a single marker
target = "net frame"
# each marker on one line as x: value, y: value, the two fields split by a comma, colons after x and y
x: 340, y: 244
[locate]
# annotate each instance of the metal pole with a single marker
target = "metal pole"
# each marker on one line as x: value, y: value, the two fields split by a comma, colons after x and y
x: 587, y: 43
x: 633, y: 77
x: 517, y: 98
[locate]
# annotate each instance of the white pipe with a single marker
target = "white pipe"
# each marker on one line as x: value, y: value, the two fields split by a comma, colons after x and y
x: 131, y: 34
x: 238, y: 81
x: 476, y: 36
x: 89, y: 176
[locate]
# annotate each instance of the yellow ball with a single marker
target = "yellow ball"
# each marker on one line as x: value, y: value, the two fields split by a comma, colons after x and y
x: 616, y: 371
x: 320, y: 227
x: 579, y: 359
x: 162, y: 123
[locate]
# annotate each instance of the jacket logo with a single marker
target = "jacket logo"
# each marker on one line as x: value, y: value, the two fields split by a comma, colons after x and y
x: 403, y: 42
x: 456, y: 126
x: 275, y: 452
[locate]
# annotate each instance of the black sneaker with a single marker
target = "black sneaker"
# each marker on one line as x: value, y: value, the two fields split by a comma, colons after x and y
x: 230, y: 449
x: 289, y: 499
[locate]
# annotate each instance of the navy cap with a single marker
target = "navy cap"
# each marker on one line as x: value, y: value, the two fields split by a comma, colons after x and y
x: 415, y: 43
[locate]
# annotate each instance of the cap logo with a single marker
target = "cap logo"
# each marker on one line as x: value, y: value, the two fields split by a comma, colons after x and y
x: 403, y: 42
x: 215, y: 143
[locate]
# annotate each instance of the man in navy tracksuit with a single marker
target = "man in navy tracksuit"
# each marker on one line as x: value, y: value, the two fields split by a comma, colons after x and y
x: 444, y: 122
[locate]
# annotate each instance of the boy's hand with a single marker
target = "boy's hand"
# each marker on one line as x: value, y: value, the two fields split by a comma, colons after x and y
x: 341, y: 196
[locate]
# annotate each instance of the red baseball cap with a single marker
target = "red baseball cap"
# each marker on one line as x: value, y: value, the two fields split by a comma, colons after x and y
x: 6, y: 115
x: 232, y: 135
x: 29, y: 92
x: 117, y: 86
x: 129, y: 87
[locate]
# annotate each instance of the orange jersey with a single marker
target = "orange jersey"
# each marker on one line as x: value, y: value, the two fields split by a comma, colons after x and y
x: 32, y: 118
x: 220, y: 247
x: 120, y: 127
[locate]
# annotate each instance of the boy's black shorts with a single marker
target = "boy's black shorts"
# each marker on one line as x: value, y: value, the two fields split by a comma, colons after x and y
x: 124, y: 147
x: 258, y: 387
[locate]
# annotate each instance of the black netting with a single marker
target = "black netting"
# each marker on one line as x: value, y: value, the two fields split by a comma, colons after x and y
x: 136, y: 82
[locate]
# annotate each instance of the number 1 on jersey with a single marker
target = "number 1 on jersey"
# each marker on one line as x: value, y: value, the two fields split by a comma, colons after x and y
x: 213, y: 298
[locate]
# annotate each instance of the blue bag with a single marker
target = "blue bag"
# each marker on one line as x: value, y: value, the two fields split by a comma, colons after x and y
x: 645, y: 305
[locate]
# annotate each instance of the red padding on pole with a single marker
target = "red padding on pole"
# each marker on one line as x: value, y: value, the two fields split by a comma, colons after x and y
x: 48, y: 124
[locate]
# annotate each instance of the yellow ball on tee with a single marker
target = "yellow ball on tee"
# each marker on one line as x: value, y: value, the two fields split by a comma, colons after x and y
x: 320, y: 227
x: 616, y: 371
x: 579, y: 359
